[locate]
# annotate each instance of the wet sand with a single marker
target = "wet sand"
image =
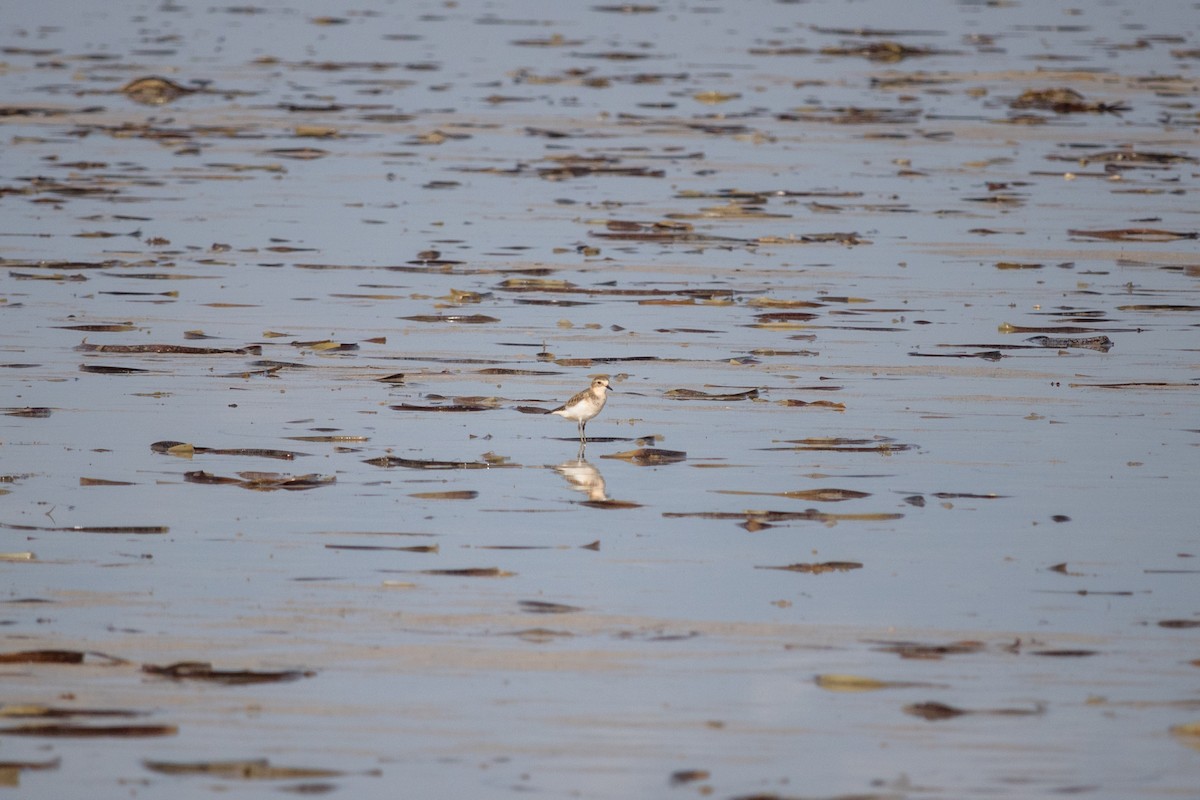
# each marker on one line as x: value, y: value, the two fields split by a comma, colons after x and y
x: 893, y: 496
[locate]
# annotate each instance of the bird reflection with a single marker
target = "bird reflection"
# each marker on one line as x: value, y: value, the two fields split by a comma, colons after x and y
x: 584, y: 477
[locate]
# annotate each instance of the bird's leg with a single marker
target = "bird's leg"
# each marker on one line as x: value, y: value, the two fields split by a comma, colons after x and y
x: 582, y: 426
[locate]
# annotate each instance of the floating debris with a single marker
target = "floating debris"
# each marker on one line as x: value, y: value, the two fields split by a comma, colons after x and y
x: 682, y: 777
x: 298, y: 153
x: 986, y: 355
x: 693, y: 394
x: 450, y: 407
x: 71, y: 731
x: 854, y: 115
x: 100, y: 369
x: 1063, y: 101
x: 169, y: 349
x: 107, y: 327
x: 249, y: 770
x: 131, y: 529
x: 461, y: 319
x: 421, y: 463
x: 888, y: 52
x: 829, y: 404
x: 834, y: 682
x: 10, y: 771
x: 1154, y: 307
x: 30, y: 412
x: 1135, y: 385
x: 204, y: 671
x: 544, y: 607
x: 817, y: 569
x: 835, y: 444
x: 470, y: 572
x: 1062, y: 330
x: 649, y: 456
x: 154, y: 91
x: 921, y: 650
x: 934, y: 711
x: 187, y: 450
x: 263, y: 481
x: 760, y: 517
x: 610, y: 503
x: 419, y: 548
x: 57, y: 277
x: 1188, y: 734
x: 462, y: 494
x: 56, y: 657
x: 829, y: 495
x: 103, y: 482
x: 1134, y: 235
x: 1100, y: 343
x: 327, y: 346
x: 1129, y: 156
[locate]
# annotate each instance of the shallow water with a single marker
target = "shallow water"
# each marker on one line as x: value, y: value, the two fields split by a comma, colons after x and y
x: 1018, y: 521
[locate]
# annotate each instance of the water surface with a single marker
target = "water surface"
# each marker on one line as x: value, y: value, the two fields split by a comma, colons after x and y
x: 844, y: 222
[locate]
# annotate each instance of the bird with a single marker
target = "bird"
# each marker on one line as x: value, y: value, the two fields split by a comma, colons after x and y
x: 585, y: 405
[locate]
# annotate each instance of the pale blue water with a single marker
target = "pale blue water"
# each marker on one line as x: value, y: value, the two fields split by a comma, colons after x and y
x: 686, y: 655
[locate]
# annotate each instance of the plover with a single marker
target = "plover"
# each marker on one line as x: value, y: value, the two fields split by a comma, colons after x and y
x: 585, y: 405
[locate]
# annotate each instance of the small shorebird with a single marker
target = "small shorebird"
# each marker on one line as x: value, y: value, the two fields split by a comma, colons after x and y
x: 585, y: 405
